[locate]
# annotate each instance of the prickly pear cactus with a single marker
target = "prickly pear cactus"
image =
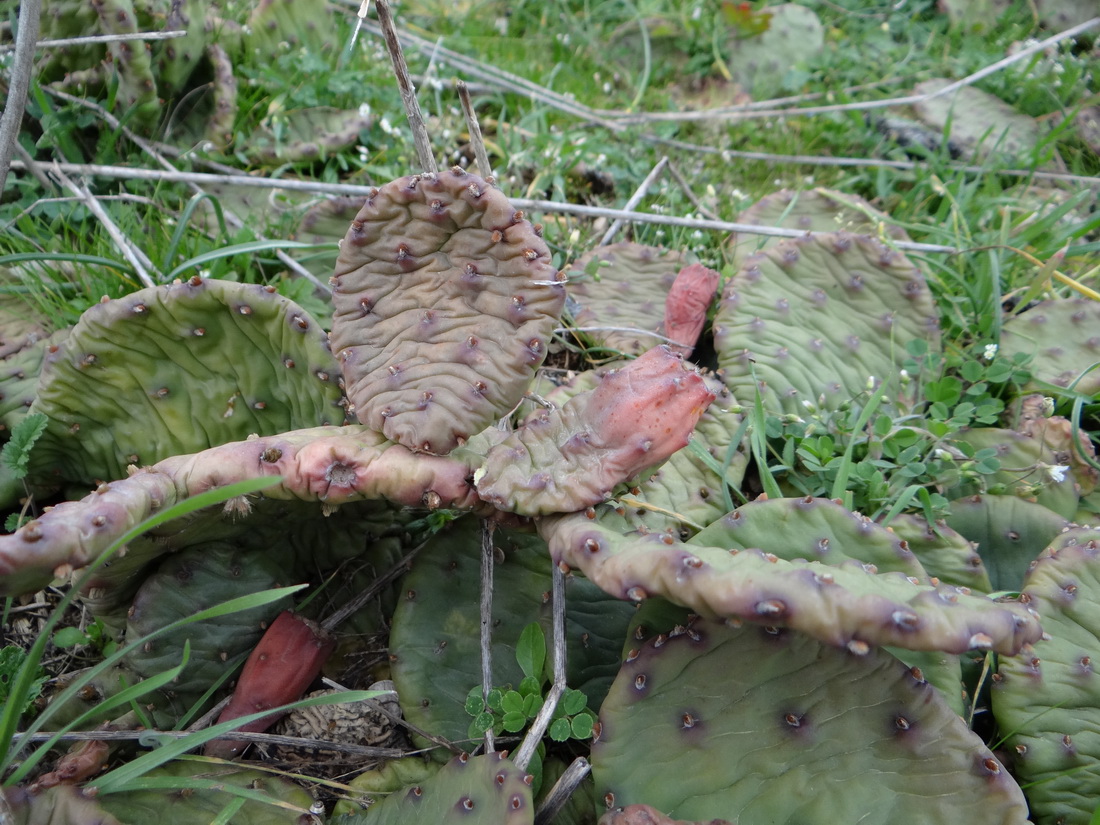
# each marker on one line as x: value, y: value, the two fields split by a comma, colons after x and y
x: 185, y: 583
x: 59, y: 805
x: 304, y: 135
x: 1046, y: 697
x: 943, y: 552
x: 204, y: 791
x: 434, y: 654
x: 980, y: 123
x: 807, y: 734
x: 486, y: 788
x: 617, y: 293
x: 1063, y: 336
x: 445, y: 299
x: 760, y: 61
x: 176, y: 369
x: 818, y: 318
x: 567, y: 459
x: 1008, y: 532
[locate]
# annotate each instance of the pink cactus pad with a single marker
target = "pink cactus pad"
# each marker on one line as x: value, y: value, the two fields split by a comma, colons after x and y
x: 686, y: 306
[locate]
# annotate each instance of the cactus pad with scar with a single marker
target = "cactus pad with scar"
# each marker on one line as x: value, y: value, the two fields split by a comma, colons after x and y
x: 635, y: 418
x: 445, y: 300
x: 176, y: 369
x: 807, y: 733
x: 818, y: 318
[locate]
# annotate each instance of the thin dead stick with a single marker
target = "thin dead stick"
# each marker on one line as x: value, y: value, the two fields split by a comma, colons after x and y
x: 689, y: 193
x: 563, y: 789
x: 634, y: 200
x: 408, y: 92
x: 546, y: 713
x: 474, y: 128
x: 138, y: 259
x: 100, y: 38
x: 35, y: 168
x: 128, y: 173
x: 487, y: 622
x: 21, y: 70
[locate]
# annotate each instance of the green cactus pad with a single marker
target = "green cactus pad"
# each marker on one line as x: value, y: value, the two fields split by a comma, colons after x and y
x: 219, y: 127
x: 483, y: 789
x: 1063, y: 336
x: 846, y: 605
x: 1008, y: 531
x: 1046, y: 698
x: 304, y: 135
x: 434, y: 641
x: 979, y: 122
x: 445, y: 299
x: 19, y: 379
x: 195, y: 793
x: 943, y: 552
x: 567, y: 459
x: 329, y: 465
x: 176, y: 369
x: 187, y: 582
x: 818, y: 317
x: 648, y: 815
x: 806, y: 734
x: 326, y: 222
x: 1026, y: 469
x: 759, y: 62
x: 278, y: 26
x: 59, y: 805
x: 616, y: 294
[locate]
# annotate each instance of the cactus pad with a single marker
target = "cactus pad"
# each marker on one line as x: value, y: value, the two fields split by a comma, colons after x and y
x: 846, y: 605
x: 176, y: 369
x: 567, y: 459
x: 445, y: 299
x: 1063, y: 336
x: 819, y: 317
x: 617, y: 294
x: 806, y: 734
x: 486, y: 788
x: 979, y: 122
x: 1046, y: 697
x: 760, y: 62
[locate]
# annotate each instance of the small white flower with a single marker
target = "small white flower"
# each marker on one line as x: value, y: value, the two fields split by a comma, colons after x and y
x: 1057, y: 472
x: 990, y: 352
x: 1048, y: 406
x: 364, y: 109
x: 386, y: 126
x: 871, y: 382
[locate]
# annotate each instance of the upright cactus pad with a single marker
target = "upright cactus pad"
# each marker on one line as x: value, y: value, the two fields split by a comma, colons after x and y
x: 176, y: 369
x: 617, y: 295
x: 482, y: 789
x: 636, y: 417
x: 1064, y: 337
x: 818, y: 318
x: 845, y: 605
x: 760, y: 61
x: 805, y: 734
x: 445, y: 300
x: 1045, y: 699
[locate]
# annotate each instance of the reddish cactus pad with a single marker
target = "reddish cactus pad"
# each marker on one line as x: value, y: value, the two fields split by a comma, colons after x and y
x: 686, y: 306
x: 634, y: 419
x: 445, y: 299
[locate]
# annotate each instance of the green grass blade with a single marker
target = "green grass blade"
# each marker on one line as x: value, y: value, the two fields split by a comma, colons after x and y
x: 229, y: 251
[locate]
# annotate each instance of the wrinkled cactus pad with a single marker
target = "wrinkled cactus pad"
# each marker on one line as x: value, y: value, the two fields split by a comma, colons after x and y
x: 943, y: 552
x: 567, y: 459
x: 445, y: 299
x: 486, y: 788
x: 1046, y: 698
x: 845, y: 605
x: 806, y: 734
x: 617, y: 294
x: 819, y: 318
x: 176, y: 369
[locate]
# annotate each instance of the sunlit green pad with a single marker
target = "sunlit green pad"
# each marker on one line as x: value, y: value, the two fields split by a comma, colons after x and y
x: 616, y: 294
x: 979, y: 122
x: 1045, y: 699
x: 195, y: 793
x: 469, y: 789
x: 759, y: 61
x: 845, y: 605
x: 943, y: 552
x: 819, y: 318
x: 1009, y: 531
x: 176, y: 369
x: 304, y: 135
x: 806, y: 735
x: 445, y: 300
x: 1064, y: 337
x: 434, y: 640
